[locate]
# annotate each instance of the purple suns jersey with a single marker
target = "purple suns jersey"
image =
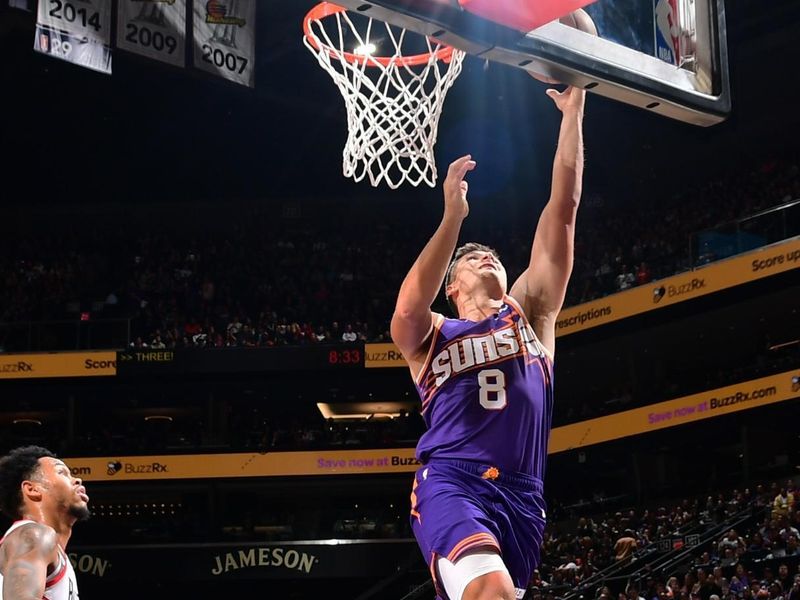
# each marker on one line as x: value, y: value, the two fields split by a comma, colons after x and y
x: 487, y: 393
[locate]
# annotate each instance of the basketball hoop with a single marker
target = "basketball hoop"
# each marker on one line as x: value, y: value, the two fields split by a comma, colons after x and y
x: 393, y: 101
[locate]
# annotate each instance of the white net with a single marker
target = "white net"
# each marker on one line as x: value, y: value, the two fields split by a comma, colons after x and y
x: 393, y: 102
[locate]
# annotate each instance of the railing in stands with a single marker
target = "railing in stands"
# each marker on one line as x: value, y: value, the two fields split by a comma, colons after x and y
x: 649, y: 561
x: 738, y: 236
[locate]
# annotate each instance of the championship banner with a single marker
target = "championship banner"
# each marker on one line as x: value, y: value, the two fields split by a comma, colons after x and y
x: 270, y: 464
x: 225, y: 39
x: 328, y: 559
x: 77, y: 31
x: 713, y: 403
x: 722, y: 275
x: 58, y: 364
x: 153, y: 28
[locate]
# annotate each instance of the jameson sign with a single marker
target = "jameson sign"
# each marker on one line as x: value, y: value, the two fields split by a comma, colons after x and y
x: 252, y: 558
x: 285, y: 560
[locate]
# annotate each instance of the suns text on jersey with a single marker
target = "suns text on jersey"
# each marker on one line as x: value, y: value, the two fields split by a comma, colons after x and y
x: 469, y: 352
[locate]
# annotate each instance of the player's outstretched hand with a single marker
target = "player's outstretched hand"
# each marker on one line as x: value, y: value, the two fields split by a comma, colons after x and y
x: 571, y: 98
x: 455, y: 187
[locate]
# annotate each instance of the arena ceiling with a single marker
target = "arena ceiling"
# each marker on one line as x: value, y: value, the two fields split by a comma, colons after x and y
x: 151, y: 132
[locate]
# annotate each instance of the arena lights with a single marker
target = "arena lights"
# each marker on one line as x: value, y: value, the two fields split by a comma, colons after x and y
x: 365, y: 49
x: 364, y: 410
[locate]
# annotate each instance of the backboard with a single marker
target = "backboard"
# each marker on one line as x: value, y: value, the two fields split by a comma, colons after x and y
x: 665, y: 56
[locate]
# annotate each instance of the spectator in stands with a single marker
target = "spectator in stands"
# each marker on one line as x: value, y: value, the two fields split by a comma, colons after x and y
x: 740, y: 580
x: 625, y: 278
x: 784, y: 577
x: 625, y: 546
x: 780, y: 504
x: 710, y: 587
x: 632, y: 592
x: 775, y: 592
x: 786, y: 529
x: 643, y: 274
x: 349, y: 335
x: 689, y: 581
x: 794, y: 591
x: 731, y: 541
x: 792, y: 546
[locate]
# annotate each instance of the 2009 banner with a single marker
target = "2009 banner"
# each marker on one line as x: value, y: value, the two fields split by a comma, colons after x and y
x: 156, y: 30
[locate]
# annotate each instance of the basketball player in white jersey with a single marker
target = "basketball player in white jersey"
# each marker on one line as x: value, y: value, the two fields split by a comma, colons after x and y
x: 38, y: 491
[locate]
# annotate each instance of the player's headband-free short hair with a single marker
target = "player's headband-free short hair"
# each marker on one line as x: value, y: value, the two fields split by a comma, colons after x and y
x: 17, y: 466
x: 451, y: 269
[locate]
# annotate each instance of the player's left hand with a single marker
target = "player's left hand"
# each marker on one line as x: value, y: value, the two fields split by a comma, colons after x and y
x: 571, y: 98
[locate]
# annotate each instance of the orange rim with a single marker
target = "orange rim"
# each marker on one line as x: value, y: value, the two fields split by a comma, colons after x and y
x: 327, y: 9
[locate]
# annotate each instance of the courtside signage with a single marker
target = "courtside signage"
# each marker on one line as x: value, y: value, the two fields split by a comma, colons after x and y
x: 715, y: 277
x: 59, y: 364
x: 722, y: 275
x: 378, y: 356
x: 273, y: 464
x: 713, y: 403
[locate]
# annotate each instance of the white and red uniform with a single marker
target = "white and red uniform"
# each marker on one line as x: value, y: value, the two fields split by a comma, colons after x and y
x: 61, y: 583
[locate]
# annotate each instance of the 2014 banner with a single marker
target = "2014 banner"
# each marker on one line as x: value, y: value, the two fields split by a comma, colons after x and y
x: 77, y: 31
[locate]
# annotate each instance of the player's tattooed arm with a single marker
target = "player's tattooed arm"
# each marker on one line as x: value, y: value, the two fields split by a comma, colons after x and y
x: 29, y: 551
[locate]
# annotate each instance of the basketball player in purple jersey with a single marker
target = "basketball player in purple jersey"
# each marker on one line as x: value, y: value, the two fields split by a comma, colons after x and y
x: 486, y: 383
x: 38, y: 491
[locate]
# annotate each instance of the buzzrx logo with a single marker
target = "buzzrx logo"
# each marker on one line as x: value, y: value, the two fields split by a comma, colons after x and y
x: 116, y: 466
x: 17, y: 367
x: 672, y: 291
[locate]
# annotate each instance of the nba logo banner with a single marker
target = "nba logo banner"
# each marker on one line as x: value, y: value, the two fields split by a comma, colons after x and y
x: 667, y: 31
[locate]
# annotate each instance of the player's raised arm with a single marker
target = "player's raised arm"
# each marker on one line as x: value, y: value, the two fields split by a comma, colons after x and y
x: 28, y: 553
x: 412, y: 317
x: 542, y: 286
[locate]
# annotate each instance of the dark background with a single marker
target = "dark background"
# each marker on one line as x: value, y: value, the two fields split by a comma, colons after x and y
x: 152, y: 133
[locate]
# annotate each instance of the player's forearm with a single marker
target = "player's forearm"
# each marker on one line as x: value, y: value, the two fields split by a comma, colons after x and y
x: 422, y: 284
x: 568, y: 162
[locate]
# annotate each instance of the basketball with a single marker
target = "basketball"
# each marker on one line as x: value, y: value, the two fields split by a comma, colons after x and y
x: 578, y: 19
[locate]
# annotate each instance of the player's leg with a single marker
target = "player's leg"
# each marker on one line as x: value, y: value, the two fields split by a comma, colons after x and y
x: 479, y: 575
